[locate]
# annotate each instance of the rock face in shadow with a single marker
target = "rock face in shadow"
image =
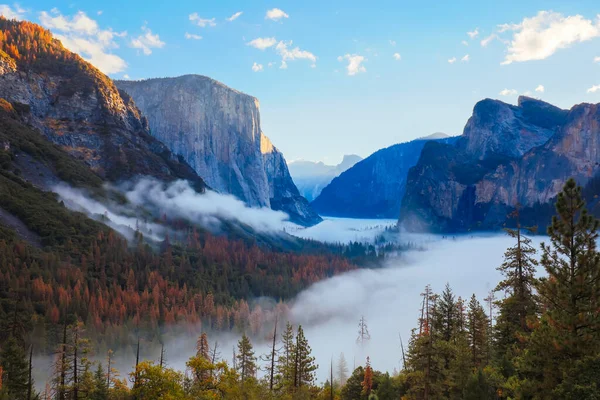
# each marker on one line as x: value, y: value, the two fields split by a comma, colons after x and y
x: 507, y: 156
x: 217, y: 130
x: 374, y: 187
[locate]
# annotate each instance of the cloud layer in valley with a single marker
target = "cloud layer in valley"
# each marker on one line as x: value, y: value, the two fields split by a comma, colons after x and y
x: 176, y: 200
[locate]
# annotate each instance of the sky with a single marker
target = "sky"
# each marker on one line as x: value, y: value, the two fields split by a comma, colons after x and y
x: 344, y: 77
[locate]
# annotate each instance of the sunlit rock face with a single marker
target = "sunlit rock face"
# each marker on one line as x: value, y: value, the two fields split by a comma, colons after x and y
x: 81, y: 110
x: 217, y: 130
x: 507, y: 156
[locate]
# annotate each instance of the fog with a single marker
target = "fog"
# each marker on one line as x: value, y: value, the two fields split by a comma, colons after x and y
x: 389, y: 298
x: 148, y: 200
x: 343, y: 230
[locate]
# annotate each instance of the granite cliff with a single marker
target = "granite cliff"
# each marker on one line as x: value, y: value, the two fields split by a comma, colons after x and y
x: 217, y: 130
x: 507, y: 156
x: 77, y: 107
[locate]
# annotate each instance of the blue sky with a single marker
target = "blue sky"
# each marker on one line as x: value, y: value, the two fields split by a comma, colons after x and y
x: 359, y: 75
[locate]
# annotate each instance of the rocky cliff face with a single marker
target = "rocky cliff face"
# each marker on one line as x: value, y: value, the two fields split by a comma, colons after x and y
x: 311, y: 177
x: 374, y: 187
x: 217, y: 130
x: 467, y: 186
x: 76, y: 106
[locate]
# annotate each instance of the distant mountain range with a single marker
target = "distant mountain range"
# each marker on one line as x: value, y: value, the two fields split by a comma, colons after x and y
x: 374, y: 187
x: 311, y: 177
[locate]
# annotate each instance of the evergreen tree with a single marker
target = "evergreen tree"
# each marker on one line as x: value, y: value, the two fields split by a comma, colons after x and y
x: 100, y: 388
x: 367, y: 383
x: 519, y: 304
x: 342, y: 369
x: 246, y: 362
x: 286, y: 360
x: 304, y: 363
x: 567, y: 332
x: 477, y: 331
x: 14, y: 369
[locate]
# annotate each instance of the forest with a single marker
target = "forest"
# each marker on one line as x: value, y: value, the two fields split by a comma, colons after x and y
x: 531, y: 338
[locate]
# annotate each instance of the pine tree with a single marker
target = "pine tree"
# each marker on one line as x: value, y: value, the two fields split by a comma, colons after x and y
x: 342, y: 370
x: 100, y: 391
x: 78, y: 356
x: 203, y: 351
x: 285, y: 361
x: 363, y: 332
x: 567, y: 332
x: 367, y: 383
x: 520, y: 303
x: 246, y: 362
x: 14, y: 369
x: 477, y: 330
x: 304, y: 363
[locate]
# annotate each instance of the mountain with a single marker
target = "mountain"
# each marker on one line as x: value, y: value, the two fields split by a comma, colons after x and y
x: 507, y: 156
x: 311, y: 177
x: 77, y: 107
x: 373, y: 188
x: 217, y: 130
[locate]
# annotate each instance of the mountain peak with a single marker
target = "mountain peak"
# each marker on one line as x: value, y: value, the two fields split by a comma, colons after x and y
x: 434, y: 136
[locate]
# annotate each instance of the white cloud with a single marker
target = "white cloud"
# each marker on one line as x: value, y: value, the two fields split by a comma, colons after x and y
x: 354, y: 63
x: 397, y: 56
x: 474, y: 33
x: 147, y: 41
x: 14, y: 12
x: 452, y: 60
x: 126, y: 76
x: 486, y: 40
x: 539, y: 37
x: 508, y: 92
x: 82, y: 35
x: 283, y: 48
x: 276, y: 14
x: 465, y: 43
x: 192, y: 36
x: 257, y: 67
x: 235, y: 16
x: 393, y: 42
x: 263, y: 43
x: 540, y: 89
x: 202, y: 22
x: 466, y: 58
x: 597, y: 59
x: 594, y: 89
x: 288, y: 54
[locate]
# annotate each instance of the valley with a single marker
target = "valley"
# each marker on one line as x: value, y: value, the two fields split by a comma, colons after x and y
x: 155, y: 243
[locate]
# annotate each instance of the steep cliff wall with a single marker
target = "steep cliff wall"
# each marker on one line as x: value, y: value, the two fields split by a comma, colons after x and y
x: 217, y: 130
x: 464, y: 187
x: 76, y: 106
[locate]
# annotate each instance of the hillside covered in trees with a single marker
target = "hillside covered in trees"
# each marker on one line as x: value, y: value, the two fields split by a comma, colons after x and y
x: 536, y: 340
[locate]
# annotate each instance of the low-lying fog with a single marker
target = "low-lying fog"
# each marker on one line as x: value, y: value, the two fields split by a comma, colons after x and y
x: 388, y: 298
